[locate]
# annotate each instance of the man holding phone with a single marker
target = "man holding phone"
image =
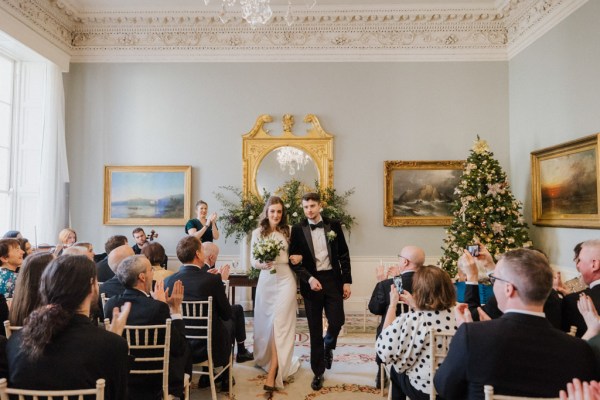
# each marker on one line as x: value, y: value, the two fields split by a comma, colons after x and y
x: 410, y: 258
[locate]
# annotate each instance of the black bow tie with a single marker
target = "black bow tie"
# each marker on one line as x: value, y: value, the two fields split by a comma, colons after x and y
x: 315, y: 226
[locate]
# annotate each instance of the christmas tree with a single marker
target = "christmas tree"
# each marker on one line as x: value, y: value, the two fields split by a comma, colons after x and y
x: 485, y: 210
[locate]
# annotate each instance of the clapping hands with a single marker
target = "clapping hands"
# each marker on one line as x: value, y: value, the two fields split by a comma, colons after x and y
x: 590, y: 315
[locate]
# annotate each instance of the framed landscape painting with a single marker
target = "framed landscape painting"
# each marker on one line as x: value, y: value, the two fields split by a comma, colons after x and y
x: 147, y: 195
x: 564, y: 180
x: 420, y: 192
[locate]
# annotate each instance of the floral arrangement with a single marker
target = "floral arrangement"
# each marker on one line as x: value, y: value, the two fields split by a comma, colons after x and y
x: 331, y: 235
x: 242, y: 215
x: 266, y: 250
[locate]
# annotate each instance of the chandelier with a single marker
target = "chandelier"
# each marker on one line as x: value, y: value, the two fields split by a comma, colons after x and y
x: 292, y: 159
x: 257, y: 11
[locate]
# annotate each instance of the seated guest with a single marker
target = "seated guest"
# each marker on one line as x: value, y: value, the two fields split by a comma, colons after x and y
x: 113, y: 286
x: 199, y: 285
x: 76, y: 251
x: 404, y: 341
x: 59, y: 348
x: 211, y: 253
x: 135, y: 273
x: 552, y: 305
x: 27, y: 296
x: 11, y: 258
x: 156, y: 254
x: 25, y: 246
x: 588, y: 264
x: 12, y: 235
x: 104, y: 271
x: 89, y: 249
x: 520, y: 353
x: 411, y: 258
x: 140, y: 240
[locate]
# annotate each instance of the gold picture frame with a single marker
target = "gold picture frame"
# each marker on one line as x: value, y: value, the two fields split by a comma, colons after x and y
x: 147, y: 195
x: 420, y: 193
x: 564, y: 184
x: 259, y: 143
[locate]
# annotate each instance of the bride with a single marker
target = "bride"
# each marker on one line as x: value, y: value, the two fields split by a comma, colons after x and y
x: 275, y: 305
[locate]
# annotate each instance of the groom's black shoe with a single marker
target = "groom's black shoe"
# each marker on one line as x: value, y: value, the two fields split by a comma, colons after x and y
x: 317, y: 382
x: 328, y: 358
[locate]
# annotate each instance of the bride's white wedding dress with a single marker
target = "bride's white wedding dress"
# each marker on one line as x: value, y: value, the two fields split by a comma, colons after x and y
x: 275, y: 309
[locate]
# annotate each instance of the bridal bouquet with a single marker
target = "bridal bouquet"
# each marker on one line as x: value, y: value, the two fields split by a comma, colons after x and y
x: 266, y: 250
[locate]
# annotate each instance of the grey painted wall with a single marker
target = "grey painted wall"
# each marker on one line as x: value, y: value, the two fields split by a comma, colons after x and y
x: 195, y: 114
x: 554, y: 98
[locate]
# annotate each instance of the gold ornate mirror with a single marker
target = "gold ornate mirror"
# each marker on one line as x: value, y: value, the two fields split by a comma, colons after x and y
x: 270, y: 161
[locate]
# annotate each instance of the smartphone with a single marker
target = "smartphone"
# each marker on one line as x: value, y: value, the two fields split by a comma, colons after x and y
x: 473, y: 249
x: 398, y: 283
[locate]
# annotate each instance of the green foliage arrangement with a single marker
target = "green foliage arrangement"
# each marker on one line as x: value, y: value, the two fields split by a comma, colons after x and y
x: 485, y: 210
x: 240, y: 216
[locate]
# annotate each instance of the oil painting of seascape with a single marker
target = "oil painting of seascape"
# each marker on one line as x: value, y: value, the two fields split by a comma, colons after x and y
x: 147, y: 195
x: 564, y: 182
x: 420, y: 192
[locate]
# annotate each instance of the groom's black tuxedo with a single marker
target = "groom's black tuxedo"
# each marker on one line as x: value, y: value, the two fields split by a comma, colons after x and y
x: 330, y: 298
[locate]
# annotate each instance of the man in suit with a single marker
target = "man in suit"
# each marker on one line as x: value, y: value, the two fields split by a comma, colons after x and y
x: 325, y: 278
x: 211, y: 253
x: 520, y: 353
x: 135, y: 273
x: 102, y: 268
x: 588, y: 264
x: 199, y: 285
x: 140, y: 240
x: 411, y: 258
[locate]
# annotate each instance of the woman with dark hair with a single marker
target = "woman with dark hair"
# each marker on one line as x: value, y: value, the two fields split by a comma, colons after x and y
x: 275, y: 305
x: 404, y: 341
x: 59, y: 348
x: 25, y: 246
x: 156, y: 254
x: 27, y: 298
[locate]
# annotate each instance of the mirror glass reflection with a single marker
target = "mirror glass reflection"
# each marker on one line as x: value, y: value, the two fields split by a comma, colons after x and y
x: 283, y: 164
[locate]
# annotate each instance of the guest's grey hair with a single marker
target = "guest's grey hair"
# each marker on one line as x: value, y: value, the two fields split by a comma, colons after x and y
x: 130, y: 268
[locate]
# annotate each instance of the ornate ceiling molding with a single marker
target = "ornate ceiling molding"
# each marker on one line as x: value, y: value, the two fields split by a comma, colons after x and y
x: 328, y: 34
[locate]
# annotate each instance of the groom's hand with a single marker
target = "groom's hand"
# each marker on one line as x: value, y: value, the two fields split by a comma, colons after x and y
x: 315, y: 284
x: 347, y: 291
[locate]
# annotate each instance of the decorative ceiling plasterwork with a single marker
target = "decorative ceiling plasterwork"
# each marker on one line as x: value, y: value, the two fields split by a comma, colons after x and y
x: 329, y: 34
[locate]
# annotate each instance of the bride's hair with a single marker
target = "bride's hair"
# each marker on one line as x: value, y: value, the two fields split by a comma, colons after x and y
x: 282, y: 226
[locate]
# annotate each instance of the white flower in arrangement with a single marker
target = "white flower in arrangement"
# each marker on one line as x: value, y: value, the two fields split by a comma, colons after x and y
x: 295, y: 214
x: 288, y: 205
x: 480, y: 146
x: 250, y: 217
x: 331, y: 235
x: 267, y: 250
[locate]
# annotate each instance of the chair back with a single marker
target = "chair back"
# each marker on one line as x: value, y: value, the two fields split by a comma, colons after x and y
x: 104, y: 299
x: 226, y: 286
x: 439, y: 342
x: 9, y: 329
x: 572, y: 331
x: 488, y: 390
x: 150, y: 345
x: 79, y: 394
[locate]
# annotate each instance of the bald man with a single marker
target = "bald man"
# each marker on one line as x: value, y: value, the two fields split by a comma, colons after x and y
x: 410, y: 258
x: 113, y: 287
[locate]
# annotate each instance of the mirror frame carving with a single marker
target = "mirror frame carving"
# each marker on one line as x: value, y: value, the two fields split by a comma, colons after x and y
x: 257, y: 143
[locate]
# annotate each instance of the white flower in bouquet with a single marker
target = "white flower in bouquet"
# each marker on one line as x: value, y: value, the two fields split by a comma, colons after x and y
x: 266, y: 250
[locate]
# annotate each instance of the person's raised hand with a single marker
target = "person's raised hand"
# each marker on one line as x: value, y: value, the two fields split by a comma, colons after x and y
x: 590, y: 315
x: 176, y: 298
x: 119, y: 319
x: 462, y: 314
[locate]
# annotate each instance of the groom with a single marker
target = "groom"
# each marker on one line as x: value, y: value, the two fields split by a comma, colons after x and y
x: 325, y: 279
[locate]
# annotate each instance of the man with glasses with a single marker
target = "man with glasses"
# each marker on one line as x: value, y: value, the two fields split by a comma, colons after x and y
x: 520, y: 353
x: 588, y: 265
x: 410, y: 258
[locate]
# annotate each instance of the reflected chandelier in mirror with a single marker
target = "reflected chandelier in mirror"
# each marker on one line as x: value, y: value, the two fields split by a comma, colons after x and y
x: 269, y: 161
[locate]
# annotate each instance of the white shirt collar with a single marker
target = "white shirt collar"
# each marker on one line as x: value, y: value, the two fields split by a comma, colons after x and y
x: 534, y: 313
x: 315, y: 221
x: 596, y: 282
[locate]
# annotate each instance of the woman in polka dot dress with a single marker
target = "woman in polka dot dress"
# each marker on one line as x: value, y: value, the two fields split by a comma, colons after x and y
x: 404, y: 340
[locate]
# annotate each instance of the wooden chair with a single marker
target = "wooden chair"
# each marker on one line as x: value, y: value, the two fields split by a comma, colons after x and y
x: 198, y: 316
x: 150, y: 345
x: 572, y: 331
x: 384, y: 370
x: 488, y: 390
x: 227, y: 290
x: 103, y: 298
x: 23, y: 394
x: 9, y: 329
x: 439, y: 342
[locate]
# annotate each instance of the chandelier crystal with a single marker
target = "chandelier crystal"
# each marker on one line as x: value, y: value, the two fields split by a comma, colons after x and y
x: 292, y: 159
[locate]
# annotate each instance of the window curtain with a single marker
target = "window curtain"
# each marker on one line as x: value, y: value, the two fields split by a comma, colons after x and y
x: 53, y: 203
